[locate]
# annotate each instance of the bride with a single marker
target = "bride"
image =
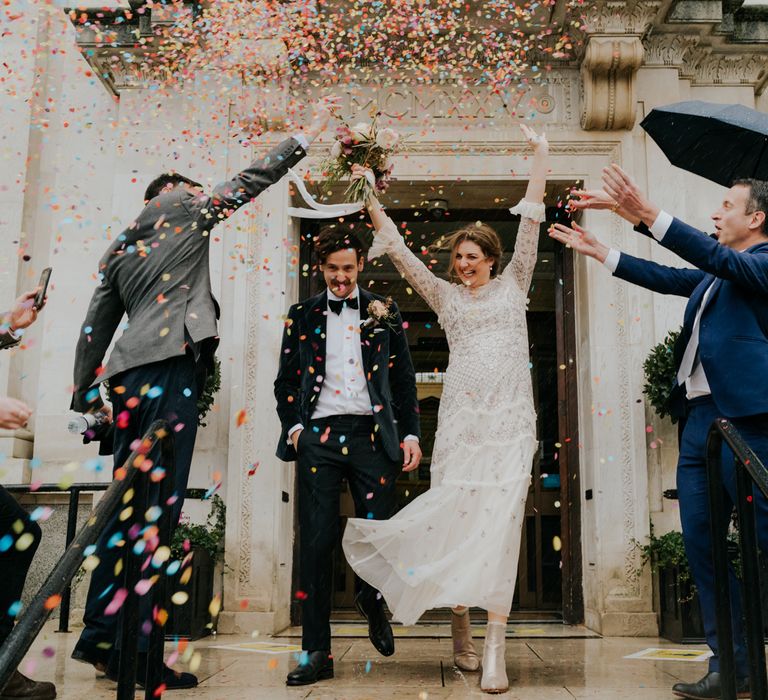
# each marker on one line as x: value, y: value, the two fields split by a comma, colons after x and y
x: 457, y: 544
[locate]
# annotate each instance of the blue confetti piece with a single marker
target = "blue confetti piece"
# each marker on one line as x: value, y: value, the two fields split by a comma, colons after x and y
x: 154, y: 392
x: 114, y: 540
x: 90, y: 549
x: 187, y: 392
x: 5, y: 543
x: 367, y: 666
x: 14, y: 609
x: 92, y: 395
x: 173, y: 567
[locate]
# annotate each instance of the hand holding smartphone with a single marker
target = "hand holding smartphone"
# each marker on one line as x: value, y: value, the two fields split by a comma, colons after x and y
x: 45, y: 277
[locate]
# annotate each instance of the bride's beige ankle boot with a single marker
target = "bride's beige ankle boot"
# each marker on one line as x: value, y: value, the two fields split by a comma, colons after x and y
x: 494, y: 678
x: 464, y: 652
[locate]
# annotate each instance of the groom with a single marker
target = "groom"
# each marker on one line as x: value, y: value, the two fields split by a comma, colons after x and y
x: 346, y: 397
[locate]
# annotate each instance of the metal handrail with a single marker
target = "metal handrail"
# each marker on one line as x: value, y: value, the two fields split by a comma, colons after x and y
x: 129, y: 488
x: 74, y: 501
x: 749, y: 470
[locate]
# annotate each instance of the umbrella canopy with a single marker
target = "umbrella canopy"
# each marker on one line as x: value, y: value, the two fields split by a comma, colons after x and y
x: 718, y: 142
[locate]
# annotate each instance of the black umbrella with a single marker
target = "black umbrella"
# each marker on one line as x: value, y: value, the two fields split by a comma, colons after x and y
x: 718, y: 142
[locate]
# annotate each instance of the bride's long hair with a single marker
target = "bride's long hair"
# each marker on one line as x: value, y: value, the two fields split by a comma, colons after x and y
x: 479, y: 233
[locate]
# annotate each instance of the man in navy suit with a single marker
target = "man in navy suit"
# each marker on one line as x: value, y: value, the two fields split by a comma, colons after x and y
x: 721, y: 359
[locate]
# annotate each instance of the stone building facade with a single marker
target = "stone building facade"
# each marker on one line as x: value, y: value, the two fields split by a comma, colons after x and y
x: 84, y: 132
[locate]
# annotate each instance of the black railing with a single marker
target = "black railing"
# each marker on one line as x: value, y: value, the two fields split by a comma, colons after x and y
x: 749, y: 470
x: 74, y: 491
x: 128, y: 492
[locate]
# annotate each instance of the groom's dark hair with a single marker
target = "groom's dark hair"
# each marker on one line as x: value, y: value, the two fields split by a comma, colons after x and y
x: 331, y: 240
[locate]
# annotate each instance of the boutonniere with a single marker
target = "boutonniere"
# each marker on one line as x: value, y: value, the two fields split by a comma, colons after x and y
x: 380, y: 312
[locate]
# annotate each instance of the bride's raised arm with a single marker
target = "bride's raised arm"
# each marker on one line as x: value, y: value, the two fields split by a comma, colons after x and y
x: 428, y: 285
x: 532, y: 212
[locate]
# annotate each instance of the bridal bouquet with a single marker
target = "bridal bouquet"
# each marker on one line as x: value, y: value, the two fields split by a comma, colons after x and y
x: 367, y: 145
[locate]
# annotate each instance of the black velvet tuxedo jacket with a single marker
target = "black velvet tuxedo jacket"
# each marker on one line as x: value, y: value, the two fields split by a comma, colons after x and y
x: 387, y: 363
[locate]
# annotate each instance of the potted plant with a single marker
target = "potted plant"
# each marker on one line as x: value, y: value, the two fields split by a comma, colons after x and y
x: 679, y: 612
x: 199, y: 548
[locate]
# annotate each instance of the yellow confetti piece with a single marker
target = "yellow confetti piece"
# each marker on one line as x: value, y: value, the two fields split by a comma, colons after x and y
x: 164, y: 332
x: 194, y: 662
x: 91, y: 562
x: 185, y: 575
x: 162, y: 555
x: 126, y: 513
x: 25, y: 541
x: 128, y: 496
x: 215, y: 606
x: 179, y: 598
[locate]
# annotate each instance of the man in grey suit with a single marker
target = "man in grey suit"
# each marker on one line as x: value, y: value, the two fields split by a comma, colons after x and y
x: 156, y: 272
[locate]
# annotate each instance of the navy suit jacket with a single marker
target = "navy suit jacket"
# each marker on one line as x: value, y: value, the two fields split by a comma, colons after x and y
x: 733, y: 332
x: 386, y: 359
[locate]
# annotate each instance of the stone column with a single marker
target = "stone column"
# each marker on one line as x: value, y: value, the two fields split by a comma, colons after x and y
x: 259, y: 493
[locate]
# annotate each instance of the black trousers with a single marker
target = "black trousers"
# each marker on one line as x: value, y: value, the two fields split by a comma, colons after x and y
x: 177, y: 403
x: 14, y: 563
x: 329, y: 450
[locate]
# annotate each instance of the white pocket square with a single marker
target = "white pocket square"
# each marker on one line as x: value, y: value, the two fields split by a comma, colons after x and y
x: 379, y: 330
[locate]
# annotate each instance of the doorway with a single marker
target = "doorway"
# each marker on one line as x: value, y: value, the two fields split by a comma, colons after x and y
x: 549, y: 584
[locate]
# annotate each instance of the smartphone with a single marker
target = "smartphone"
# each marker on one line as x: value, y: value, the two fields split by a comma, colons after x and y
x: 45, y: 277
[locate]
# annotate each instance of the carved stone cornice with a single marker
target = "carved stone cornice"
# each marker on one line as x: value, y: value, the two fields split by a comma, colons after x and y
x: 608, y: 72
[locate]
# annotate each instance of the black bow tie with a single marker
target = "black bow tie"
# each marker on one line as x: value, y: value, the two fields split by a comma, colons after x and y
x: 336, y: 305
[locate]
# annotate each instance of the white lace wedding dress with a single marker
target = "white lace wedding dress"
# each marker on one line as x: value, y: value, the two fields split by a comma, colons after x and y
x: 458, y: 543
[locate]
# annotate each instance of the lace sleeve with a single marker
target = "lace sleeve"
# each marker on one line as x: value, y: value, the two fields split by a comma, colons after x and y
x: 430, y: 287
x: 520, y: 268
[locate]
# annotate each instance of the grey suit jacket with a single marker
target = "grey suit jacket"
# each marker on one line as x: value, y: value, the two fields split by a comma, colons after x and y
x: 157, y: 273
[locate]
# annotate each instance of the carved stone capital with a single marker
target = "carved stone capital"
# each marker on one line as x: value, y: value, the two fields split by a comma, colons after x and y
x: 608, y: 82
x: 619, y: 16
x: 669, y: 49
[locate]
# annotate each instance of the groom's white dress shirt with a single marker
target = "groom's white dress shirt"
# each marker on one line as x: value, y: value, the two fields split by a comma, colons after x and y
x: 691, y: 371
x: 344, y: 391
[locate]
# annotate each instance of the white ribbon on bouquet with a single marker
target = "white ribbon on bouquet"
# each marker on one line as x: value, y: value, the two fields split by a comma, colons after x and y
x: 322, y: 211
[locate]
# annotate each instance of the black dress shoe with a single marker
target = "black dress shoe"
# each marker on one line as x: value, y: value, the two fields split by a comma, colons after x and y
x: 379, y: 629
x: 317, y: 666
x: 97, y: 655
x: 22, y: 688
x: 173, y: 680
x: 709, y: 687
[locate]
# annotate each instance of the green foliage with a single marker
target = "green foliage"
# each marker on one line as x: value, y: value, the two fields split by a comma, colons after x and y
x: 209, y: 537
x: 208, y: 394
x: 664, y: 552
x: 660, y: 369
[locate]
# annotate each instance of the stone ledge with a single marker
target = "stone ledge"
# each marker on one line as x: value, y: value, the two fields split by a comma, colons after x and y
x: 612, y: 624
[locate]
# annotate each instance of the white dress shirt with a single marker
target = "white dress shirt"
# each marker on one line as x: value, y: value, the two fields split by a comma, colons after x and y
x: 345, y: 389
x: 691, y: 371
